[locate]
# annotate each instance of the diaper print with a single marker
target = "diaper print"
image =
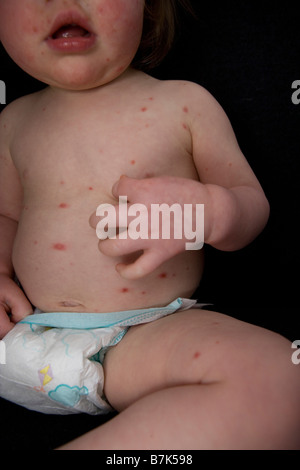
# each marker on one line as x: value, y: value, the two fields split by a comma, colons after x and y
x: 68, y: 396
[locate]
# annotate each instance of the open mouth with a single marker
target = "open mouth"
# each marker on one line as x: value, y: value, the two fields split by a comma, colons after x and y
x: 72, y: 30
x: 71, y: 33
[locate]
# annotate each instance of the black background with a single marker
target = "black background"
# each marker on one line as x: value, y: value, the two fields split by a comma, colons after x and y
x: 247, y: 54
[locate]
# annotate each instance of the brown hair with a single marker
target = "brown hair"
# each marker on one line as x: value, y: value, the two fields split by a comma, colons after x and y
x: 158, y: 31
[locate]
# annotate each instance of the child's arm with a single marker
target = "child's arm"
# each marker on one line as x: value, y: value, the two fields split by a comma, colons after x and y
x: 13, y: 303
x: 236, y: 209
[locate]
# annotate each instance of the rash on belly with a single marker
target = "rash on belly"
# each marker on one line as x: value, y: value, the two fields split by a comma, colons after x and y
x: 59, y: 247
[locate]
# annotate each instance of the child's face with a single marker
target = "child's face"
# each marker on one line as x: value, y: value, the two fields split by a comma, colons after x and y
x: 72, y: 44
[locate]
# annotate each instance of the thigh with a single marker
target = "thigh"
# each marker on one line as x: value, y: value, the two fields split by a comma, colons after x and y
x: 194, y: 346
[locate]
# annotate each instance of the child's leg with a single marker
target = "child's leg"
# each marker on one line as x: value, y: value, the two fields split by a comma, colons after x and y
x: 200, y: 380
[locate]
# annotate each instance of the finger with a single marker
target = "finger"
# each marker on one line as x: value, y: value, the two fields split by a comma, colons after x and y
x: 93, y: 220
x: 117, y: 186
x: 5, y: 324
x: 102, y: 211
x: 120, y: 247
x: 125, y: 186
x: 19, y: 306
x: 144, y: 265
x: 134, y: 217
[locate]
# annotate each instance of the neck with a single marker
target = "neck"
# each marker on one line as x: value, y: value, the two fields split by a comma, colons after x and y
x: 58, y: 92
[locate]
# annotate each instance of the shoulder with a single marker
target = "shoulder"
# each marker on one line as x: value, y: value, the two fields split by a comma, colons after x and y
x: 15, y: 113
x: 191, y: 97
x: 180, y: 89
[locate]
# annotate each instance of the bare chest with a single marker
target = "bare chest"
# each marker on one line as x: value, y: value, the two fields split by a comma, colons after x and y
x: 84, y: 150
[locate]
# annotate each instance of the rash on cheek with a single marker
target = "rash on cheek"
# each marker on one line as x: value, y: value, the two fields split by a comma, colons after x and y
x: 20, y: 26
x: 113, y: 16
x: 28, y: 22
x: 118, y: 8
x: 163, y: 275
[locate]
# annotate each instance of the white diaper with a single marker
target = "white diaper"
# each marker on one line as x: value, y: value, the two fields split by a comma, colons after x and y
x: 54, y: 360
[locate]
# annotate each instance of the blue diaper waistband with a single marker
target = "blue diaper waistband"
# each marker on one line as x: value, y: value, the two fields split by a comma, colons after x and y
x: 88, y: 321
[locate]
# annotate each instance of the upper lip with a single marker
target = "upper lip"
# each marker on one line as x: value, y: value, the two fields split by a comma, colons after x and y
x: 67, y: 18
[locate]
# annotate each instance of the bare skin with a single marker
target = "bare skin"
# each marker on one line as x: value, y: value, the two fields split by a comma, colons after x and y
x: 55, y: 233
x: 75, y: 182
x: 62, y: 153
x: 201, y: 380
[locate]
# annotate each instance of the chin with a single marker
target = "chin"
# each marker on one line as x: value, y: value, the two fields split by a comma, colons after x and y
x: 74, y: 86
x: 80, y: 80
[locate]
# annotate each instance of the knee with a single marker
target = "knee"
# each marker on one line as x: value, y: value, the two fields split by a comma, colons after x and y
x: 268, y: 384
x: 285, y: 392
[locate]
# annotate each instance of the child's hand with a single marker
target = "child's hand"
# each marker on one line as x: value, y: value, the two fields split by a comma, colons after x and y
x: 155, y: 249
x: 14, y: 305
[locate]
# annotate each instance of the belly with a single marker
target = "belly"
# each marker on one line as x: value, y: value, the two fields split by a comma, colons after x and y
x: 61, y: 269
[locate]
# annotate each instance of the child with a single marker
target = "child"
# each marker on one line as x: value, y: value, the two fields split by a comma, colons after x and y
x: 191, y: 380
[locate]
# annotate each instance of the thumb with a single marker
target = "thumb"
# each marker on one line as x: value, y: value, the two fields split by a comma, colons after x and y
x: 122, y: 186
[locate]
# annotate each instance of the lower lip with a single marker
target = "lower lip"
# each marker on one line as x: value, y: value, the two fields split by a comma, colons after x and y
x: 72, y: 45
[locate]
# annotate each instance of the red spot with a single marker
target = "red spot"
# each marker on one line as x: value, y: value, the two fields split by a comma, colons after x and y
x: 108, y: 59
x: 217, y: 342
x: 151, y: 98
x: 124, y: 290
x: 35, y: 242
x: 120, y: 69
x: 185, y: 109
x: 144, y: 109
x: 62, y: 182
x: 143, y: 293
x: 133, y: 162
x: 196, y: 355
x: 59, y: 247
x: 163, y: 275
x: 184, y: 126
x: 91, y: 188
x: 63, y: 205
